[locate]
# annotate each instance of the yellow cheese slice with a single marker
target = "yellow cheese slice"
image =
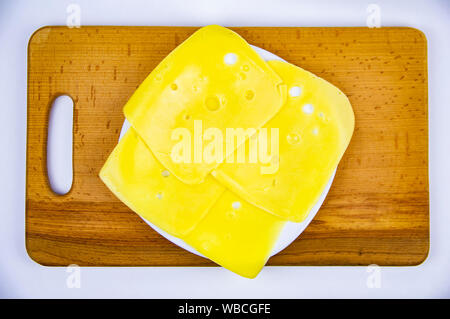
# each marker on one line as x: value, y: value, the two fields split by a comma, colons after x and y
x: 236, y: 235
x: 134, y: 175
x: 214, y: 77
x: 315, y: 127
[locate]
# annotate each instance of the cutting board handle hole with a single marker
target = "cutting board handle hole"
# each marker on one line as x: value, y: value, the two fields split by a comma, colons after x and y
x: 60, y: 144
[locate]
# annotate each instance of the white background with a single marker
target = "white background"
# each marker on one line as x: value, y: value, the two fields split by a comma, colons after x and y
x: 21, y: 277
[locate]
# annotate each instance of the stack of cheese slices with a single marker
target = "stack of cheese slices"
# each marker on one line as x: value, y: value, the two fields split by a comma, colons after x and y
x: 232, y: 208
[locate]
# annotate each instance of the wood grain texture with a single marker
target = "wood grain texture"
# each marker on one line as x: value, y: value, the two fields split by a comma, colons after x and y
x: 377, y: 210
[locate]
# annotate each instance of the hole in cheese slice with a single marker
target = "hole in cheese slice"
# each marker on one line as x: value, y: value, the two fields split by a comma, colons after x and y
x: 134, y: 175
x: 207, y: 89
x: 311, y: 145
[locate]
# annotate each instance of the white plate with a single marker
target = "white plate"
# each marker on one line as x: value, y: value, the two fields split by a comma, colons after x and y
x: 290, y: 231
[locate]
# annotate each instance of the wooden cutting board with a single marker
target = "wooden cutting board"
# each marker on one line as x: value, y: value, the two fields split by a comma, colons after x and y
x: 377, y: 211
